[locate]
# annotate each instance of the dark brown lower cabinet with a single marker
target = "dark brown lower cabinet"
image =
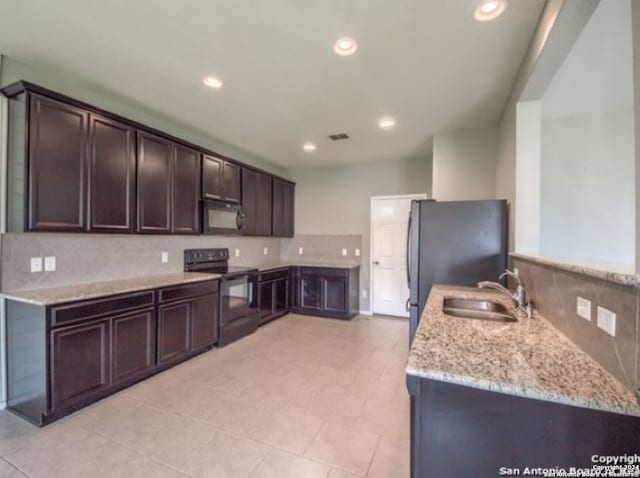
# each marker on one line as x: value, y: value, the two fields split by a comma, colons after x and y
x: 65, y: 356
x: 173, y: 331
x: 133, y: 345
x: 327, y: 292
x: 273, y: 295
x: 80, y: 358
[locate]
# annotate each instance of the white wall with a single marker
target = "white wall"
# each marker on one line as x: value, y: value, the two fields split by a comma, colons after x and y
x: 464, y: 164
x: 336, y: 199
x: 587, y: 157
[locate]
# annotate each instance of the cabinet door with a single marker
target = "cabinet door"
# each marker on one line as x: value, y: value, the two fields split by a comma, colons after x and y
x: 154, y: 183
x: 186, y: 191
x: 335, y: 295
x: 204, y: 327
x: 231, y: 182
x: 174, y: 332
x: 80, y: 359
x: 57, y: 166
x: 249, y: 201
x: 283, y: 208
x: 311, y: 289
x: 211, y: 177
x: 133, y: 345
x: 112, y: 172
x: 263, y: 205
x: 281, y: 296
x: 288, y: 214
x: 265, y: 300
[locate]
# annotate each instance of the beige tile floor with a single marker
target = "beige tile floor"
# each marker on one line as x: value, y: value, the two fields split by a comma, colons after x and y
x: 303, y: 397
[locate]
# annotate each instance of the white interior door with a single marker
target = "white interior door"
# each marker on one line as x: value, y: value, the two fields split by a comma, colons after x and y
x: 390, y: 218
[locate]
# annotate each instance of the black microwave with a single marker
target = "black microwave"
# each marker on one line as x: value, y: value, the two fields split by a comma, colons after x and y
x: 222, y: 218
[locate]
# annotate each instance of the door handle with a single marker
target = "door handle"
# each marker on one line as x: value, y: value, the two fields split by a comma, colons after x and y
x: 408, y: 305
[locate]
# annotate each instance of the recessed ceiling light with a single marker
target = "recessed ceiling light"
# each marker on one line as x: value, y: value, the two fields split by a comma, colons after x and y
x: 386, y: 123
x: 309, y: 147
x: 345, y: 46
x: 212, y: 82
x: 489, y: 10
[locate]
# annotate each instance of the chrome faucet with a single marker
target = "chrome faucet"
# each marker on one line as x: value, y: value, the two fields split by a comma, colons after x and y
x: 520, y: 297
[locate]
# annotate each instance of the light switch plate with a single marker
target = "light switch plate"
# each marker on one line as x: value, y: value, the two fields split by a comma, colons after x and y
x: 300, y: 251
x: 344, y: 252
x: 364, y: 293
x: 36, y: 264
x: 237, y: 252
x: 164, y: 257
x: 265, y: 251
x: 607, y: 321
x: 50, y: 263
x: 357, y: 252
x: 583, y: 308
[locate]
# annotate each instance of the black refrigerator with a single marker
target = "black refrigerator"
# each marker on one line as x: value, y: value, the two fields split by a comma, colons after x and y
x: 453, y: 242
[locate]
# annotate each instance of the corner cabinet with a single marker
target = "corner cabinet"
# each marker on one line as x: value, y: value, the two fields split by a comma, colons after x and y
x: 327, y: 292
x: 62, y: 357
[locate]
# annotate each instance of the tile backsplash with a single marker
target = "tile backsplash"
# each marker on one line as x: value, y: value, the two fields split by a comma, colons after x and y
x: 322, y: 248
x: 96, y: 257
x: 554, y: 292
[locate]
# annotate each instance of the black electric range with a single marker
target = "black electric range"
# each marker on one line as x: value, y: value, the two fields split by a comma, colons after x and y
x: 238, y: 310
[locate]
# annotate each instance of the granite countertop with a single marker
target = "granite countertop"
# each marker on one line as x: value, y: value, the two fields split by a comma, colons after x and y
x: 92, y: 290
x: 280, y: 265
x: 529, y: 358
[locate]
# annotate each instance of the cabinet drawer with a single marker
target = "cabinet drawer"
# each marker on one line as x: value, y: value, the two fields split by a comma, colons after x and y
x: 273, y: 275
x: 90, y: 309
x: 324, y: 272
x: 186, y: 291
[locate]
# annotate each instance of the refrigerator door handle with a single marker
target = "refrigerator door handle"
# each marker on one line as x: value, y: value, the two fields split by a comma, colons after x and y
x: 408, y: 304
x: 409, y: 251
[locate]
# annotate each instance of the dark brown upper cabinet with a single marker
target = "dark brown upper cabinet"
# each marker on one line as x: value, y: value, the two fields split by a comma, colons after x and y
x: 112, y: 172
x: 186, y: 191
x: 57, y: 166
x: 283, y: 208
x: 73, y: 167
x: 256, y: 201
x: 220, y: 179
x: 155, y: 168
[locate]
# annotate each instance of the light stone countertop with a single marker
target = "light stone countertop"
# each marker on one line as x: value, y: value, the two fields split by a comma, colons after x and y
x: 93, y: 290
x: 529, y: 358
x: 280, y: 265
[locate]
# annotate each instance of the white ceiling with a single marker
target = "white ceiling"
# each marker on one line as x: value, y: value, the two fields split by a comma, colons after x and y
x: 425, y: 62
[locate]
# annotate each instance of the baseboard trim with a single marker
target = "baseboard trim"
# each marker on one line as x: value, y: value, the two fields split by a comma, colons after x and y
x: 366, y: 312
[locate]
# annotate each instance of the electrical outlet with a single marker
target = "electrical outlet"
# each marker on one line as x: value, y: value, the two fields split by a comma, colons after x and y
x: 300, y: 251
x: 36, y: 264
x: 607, y: 321
x: 265, y: 251
x: 583, y: 308
x: 344, y: 252
x: 364, y: 293
x: 50, y: 263
x: 357, y: 252
x: 237, y: 252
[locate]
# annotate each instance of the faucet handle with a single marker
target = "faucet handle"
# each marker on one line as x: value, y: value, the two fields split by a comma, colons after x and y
x: 513, y: 275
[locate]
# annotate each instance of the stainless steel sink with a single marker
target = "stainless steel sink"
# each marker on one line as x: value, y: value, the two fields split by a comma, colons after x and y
x: 477, y: 309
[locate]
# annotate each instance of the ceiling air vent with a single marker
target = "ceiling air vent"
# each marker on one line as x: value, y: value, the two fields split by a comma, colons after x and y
x: 339, y: 136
